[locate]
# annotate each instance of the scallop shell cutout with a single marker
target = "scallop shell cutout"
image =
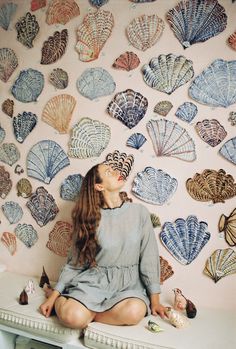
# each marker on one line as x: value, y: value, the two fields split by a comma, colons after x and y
x: 9, y: 154
x: 211, y: 131
x: 166, y: 73
x: 228, y: 226
x: 232, y: 118
x: 12, y: 211
x: 184, y: 239
x: 163, y: 107
x: 37, y: 4
x: 166, y: 270
x: 155, y: 220
x: 42, y: 206
x: 5, y: 183
x: 232, y: 41
x: 60, y: 238
x: 228, y: 150
x: 61, y: 11
x: 59, y: 78
x: 9, y: 241
x: 143, y: 32
x: 98, y: 3
x: 2, y: 134
x: 27, y: 234
x: 8, y: 63
x: 93, y: 33
x: 95, y: 82
x: 7, y: 11
x: 170, y: 139
x: 27, y: 29
x: 211, y: 185
x: 58, y: 112
x: 24, y: 188
x: 45, y: 159
x: 28, y: 86
x: 141, y: 1
x: 23, y: 124
x: 197, y: 21
x: 129, y: 107
x: 121, y: 162
x: 187, y: 111
x: 88, y: 139
x: 136, y: 140
x: 8, y: 107
x: 221, y: 263
x: 126, y: 61
x: 216, y: 85
x: 55, y: 47
x: 154, y: 186
x: 70, y: 187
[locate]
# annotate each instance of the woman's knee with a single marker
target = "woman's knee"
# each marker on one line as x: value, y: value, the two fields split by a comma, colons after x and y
x: 135, y: 310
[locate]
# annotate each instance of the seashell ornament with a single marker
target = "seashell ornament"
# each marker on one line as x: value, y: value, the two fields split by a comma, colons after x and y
x: 61, y: 11
x: 176, y: 319
x: 232, y: 118
x: 24, y: 188
x: 9, y: 154
x: 59, y: 78
x: 54, y: 47
x: 228, y: 226
x: 2, y: 134
x: 136, y: 140
x: 221, y: 263
x: 9, y: 241
x: 163, y: 107
x: 23, y: 124
x: 8, y: 63
x: 182, y: 303
x: 228, y: 150
x: 27, y: 29
x: 44, y: 279
x: 121, y: 162
x: 7, y: 11
x: 154, y: 327
x: 27, y: 234
x: 211, y: 131
x: 187, y: 111
x: 165, y: 269
x: 126, y: 61
x: 70, y: 187
x: 12, y: 211
x: 23, y: 299
x: 232, y: 41
x: 60, y: 238
x: 37, y: 4
x: 5, y: 182
x: 8, y: 107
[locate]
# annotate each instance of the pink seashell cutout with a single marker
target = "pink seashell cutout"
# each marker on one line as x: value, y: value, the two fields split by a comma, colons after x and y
x: 60, y: 238
x: 211, y: 131
x: 232, y: 41
x: 62, y: 11
x: 127, y: 61
x: 9, y: 241
x: 37, y: 4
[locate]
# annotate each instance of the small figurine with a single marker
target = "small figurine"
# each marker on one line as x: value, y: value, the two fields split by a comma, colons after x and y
x: 154, y: 327
x: 176, y: 319
x: 182, y: 303
x: 44, y: 279
x: 23, y: 299
x: 29, y: 288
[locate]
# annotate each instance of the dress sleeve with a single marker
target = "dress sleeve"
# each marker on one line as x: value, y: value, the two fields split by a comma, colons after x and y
x: 149, y: 263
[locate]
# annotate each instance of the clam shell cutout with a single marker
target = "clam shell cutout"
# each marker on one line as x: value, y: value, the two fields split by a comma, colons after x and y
x: 154, y: 186
x: 5, y: 183
x: 136, y: 140
x: 216, y: 85
x: 232, y: 41
x: 196, y: 21
x: 60, y: 238
x: 70, y: 187
x: 144, y: 31
x: 163, y: 107
x: 166, y: 73
x: 228, y: 150
x: 27, y: 29
x: 187, y: 111
x: 232, y: 118
x: 23, y: 124
x: 88, y: 139
x: 12, y: 211
x: 8, y: 107
x: 55, y: 47
x: 170, y: 139
x: 184, y: 239
x: 211, y: 185
x: 93, y: 33
x: 37, y: 4
x: 59, y: 78
x: 7, y: 11
x: 58, y: 112
x: 228, y: 226
x: 9, y: 154
x: 121, y: 162
x: 155, y: 220
x: 211, y: 131
x: 2, y: 134
x: 221, y: 263
x: 95, y: 82
x: 61, y: 11
x: 24, y: 188
x: 27, y: 234
x: 129, y: 107
x: 166, y: 270
x: 9, y: 241
x: 8, y: 63
x: 126, y: 61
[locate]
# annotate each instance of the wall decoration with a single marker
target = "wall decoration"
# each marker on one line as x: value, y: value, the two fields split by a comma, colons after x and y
x: 170, y: 139
x: 141, y: 1
x: 121, y: 162
x: 126, y: 61
x: 98, y: 3
x: 2, y: 134
x: 155, y: 220
x: 228, y: 150
x: 54, y: 47
x: 228, y: 226
x: 8, y: 107
x: 136, y: 140
x: 18, y: 169
x: 232, y: 41
x: 45, y: 159
x: 42, y: 206
x: 61, y: 11
x: 70, y: 187
x: 5, y: 182
x: 9, y: 154
x: 221, y: 263
x: 58, y: 112
x: 93, y: 33
x: 232, y: 118
x: 24, y: 188
x: 216, y: 85
x: 8, y: 63
x: 95, y: 82
x: 163, y: 107
x: 211, y: 131
x: 60, y: 238
x: 196, y: 21
x: 37, y: 4
x: 166, y: 73
x: 186, y: 111
x: 27, y: 29
x: 9, y: 241
x: 12, y: 211
x: 144, y: 31
x: 27, y: 234
x: 59, y: 78
x: 154, y: 186
x: 23, y: 124
x: 7, y: 11
x: 129, y: 107
x: 211, y: 185
x: 166, y: 270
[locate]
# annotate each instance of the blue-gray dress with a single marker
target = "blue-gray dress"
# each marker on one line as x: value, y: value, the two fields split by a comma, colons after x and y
x: 127, y: 264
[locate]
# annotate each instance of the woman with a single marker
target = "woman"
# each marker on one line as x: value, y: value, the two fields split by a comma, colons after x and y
x: 112, y: 273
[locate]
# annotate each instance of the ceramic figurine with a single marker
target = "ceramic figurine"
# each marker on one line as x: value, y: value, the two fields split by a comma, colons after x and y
x: 182, y: 303
x: 44, y: 279
x: 23, y: 299
x: 176, y: 319
x: 154, y: 327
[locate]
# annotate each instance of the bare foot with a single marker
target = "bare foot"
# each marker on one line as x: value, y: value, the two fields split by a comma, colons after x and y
x: 48, y: 290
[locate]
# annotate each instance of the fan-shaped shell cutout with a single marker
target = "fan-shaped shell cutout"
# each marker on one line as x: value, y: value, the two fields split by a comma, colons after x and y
x: 232, y: 41
x: 98, y: 3
x: 121, y: 162
x: 23, y: 124
x: 166, y: 270
x: 7, y: 11
x: 55, y: 47
x: 2, y: 134
x: 136, y: 140
x: 61, y: 11
x: 37, y: 4
x: 8, y: 107
x: 24, y: 188
x: 60, y: 238
x: 8, y: 63
x: 232, y: 118
x: 27, y: 234
x: 228, y: 226
x: 155, y: 220
x: 71, y: 186
x: 211, y: 131
x: 9, y: 241
x: 221, y: 263
x: 5, y: 182
x: 228, y: 150
x: 126, y: 61
x: 163, y: 107
x: 27, y: 29
x: 187, y: 111
x: 9, y: 154
x: 59, y: 78
x: 12, y: 211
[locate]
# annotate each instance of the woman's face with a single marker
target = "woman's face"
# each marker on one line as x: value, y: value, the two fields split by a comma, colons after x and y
x: 111, y: 179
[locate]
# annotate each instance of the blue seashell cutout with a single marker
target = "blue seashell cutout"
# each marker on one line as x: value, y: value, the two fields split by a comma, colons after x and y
x: 98, y: 3
x: 70, y: 187
x: 228, y: 150
x: 7, y: 11
x: 12, y: 211
x: 136, y: 140
x: 27, y: 234
x: 23, y: 124
x: 187, y: 111
x: 2, y: 134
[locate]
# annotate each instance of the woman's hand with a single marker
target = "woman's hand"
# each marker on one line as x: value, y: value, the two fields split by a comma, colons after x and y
x: 157, y: 307
x: 46, y: 307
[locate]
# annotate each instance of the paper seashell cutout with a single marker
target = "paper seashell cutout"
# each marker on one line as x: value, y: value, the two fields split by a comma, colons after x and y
x: 141, y: 1
x: 166, y: 270
x: 216, y: 85
x: 8, y: 107
x: 37, y: 4
x: 143, y: 32
x: 27, y: 29
x: 177, y: 319
x: 93, y: 33
x: 166, y: 73
x: 45, y: 159
x: 163, y: 107
x: 95, y: 82
x: 129, y: 107
x: 228, y: 226
x: 23, y: 299
x: 184, y: 239
x: 232, y: 118
x: 9, y: 154
x: 70, y: 187
x: 5, y: 182
x: 155, y: 220
x: 232, y: 41
x: 23, y: 124
x: 42, y: 206
x: 196, y: 21
x: 18, y: 170
x: 58, y: 112
x: 8, y: 63
x: 211, y: 185
x: 170, y: 139
x: 228, y: 150
x: 187, y: 111
x: 55, y: 47
x: 154, y: 186
x: 44, y: 279
x: 28, y: 85
x: 121, y: 162
x: 211, y: 131
x: 2, y: 134
x: 88, y: 138
x: 60, y: 238
x: 221, y: 263
x: 24, y: 188
x: 59, y: 78
x: 7, y: 11
x: 61, y: 11
x: 27, y: 234
x: 9, y: 241
x: 12, y: 211
x: 126, y: 61
x: 98, y: 3
x: 136, y: 140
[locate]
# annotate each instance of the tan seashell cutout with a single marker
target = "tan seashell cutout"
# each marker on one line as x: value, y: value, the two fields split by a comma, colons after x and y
x: 166, y: 270
x: 60, y: 238
x: 228, y: 225
x: 5, y: 182
x: 61, y: 11
x: 8, y: 107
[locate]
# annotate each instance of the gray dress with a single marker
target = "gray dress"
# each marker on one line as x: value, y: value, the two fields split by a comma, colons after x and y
x: 127, y: 264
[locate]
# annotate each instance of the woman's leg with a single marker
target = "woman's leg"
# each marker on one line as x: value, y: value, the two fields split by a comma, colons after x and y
x: 127, y: 312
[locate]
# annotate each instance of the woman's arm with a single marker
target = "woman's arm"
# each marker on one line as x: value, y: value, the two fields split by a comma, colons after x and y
x: 156, y: 306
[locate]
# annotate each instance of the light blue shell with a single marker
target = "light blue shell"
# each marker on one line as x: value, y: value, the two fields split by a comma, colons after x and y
x: 154, y: 186
x: 6, y: 13
x: 136, y: 140
x: 12, y: 211
x: 98, y: 3
x: 2, y: 134
x: 187, y: 111
x: 9, y: 154
x: 228, y: 150
x: 45, y: 159
x: 27, y: 234
x: 184, y: 239
x: 70, y: 187
x: 216, y: 85
x: 23, y: 124
x: 28, y: 85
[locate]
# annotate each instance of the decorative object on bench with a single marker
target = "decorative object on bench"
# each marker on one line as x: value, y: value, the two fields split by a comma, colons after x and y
x: 154, y: 327
x: 23, y: 299
x: 228, y: 225
x: 29, y: 288
x: 177, y: 319
x: 44, y: 279
x: 182, y: 303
